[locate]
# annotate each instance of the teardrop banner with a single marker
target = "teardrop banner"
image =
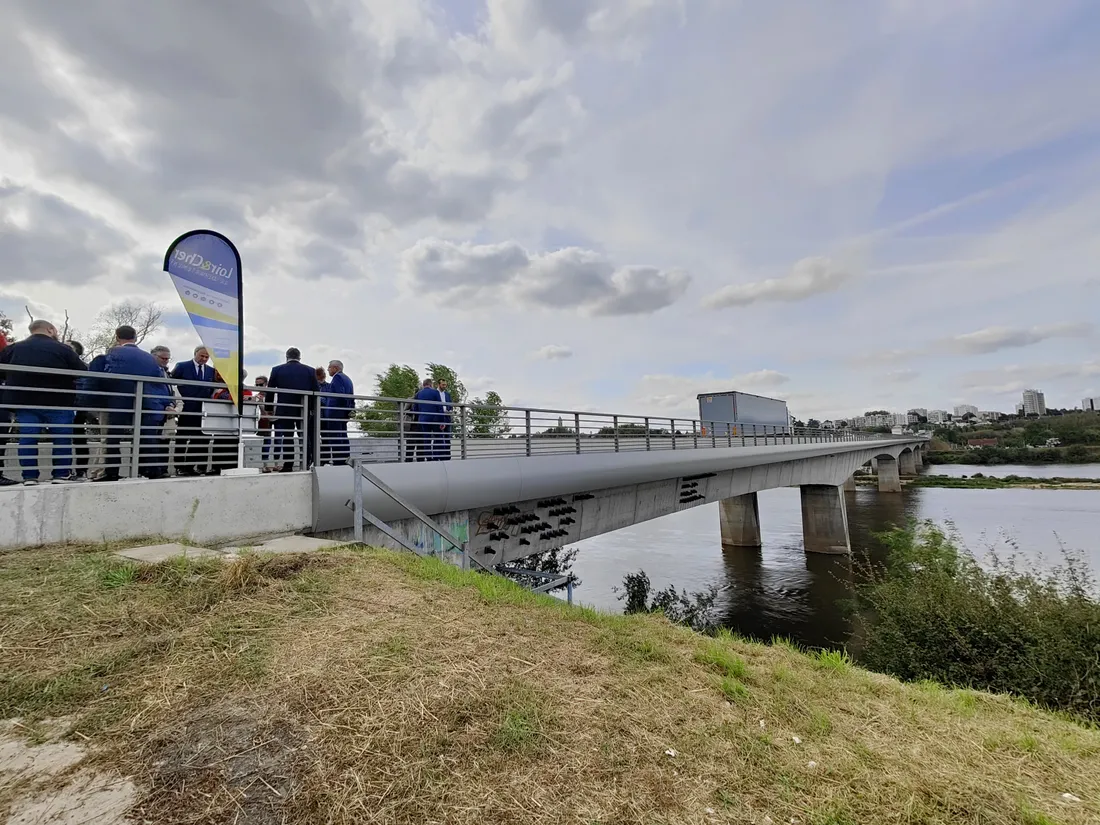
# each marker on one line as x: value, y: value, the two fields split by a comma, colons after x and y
x: 206, y: 268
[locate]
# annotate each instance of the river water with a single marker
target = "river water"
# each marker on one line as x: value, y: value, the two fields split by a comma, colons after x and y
x: 780, y: 590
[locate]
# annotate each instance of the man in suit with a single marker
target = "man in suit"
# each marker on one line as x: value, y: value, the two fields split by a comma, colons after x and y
x: 191, y: 443
x: 444, y: 452
x: 427, y: 407
x: 47, y: 399
x: 128, y: 359
x: 291, y: 409
x: 336, y: 410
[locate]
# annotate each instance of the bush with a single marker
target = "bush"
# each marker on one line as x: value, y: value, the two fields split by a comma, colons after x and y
x: 937, y: 614
x: 695, y: 610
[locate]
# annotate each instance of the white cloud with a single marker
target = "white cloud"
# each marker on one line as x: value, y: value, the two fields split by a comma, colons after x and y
x: 993, y: 339
x: 553, y: 352
x: 572, y: 278
x: 808, y: 277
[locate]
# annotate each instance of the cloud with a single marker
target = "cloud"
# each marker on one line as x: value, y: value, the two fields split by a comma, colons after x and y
x: 900, y: 376
x: 46, y: 238
x: 993, y: 339
x: 678, y: 393
x: 553, y: 352
x: 1014, y: 378
x: 569, y: 278
x: 808, y: 277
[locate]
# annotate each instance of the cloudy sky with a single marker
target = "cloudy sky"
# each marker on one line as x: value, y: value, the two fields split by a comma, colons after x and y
x: 591, y: 204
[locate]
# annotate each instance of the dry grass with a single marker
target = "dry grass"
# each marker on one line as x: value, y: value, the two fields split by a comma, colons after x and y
x: 357, y: 687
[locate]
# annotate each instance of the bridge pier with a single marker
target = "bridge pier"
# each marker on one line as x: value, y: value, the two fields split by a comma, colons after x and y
x: 918, y: 459
x: 850, y: 484
x: 740, y: 518
x: 824, y: 519
x: 889, y: 481
x: 907, y: 464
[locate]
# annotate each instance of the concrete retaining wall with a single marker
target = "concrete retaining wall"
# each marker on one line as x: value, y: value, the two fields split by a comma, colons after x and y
x: 205, y: 510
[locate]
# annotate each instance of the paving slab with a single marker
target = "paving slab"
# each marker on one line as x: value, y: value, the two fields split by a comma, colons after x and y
x: 286, y: 544
x: 153, y: 553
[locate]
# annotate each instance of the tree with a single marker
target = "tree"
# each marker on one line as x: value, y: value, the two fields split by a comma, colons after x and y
x: 6, y: 327
x: 398, y: 381
x: 488, y: 418
x: 143, y: 316
x: 813, y: 423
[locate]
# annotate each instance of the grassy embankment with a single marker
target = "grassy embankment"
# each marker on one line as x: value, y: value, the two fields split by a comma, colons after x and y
x: 364, y: 686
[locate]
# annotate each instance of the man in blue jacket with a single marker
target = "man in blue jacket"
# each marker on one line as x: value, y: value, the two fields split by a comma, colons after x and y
x: 336, y: 410
x: 428, y: 409
x: 127, y: 359
x: 191, y: 444
x: 292, y: 408
x: 42, y: 401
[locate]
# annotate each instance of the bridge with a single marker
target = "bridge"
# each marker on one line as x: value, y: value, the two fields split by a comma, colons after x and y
x: 515, y: 481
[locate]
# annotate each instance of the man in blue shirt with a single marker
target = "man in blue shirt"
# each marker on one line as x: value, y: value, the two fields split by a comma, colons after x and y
x: 336, y: 411
x: 427, y: 407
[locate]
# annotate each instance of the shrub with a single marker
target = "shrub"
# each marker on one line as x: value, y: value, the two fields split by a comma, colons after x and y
x: 937, y: 614
x: 695, y: 610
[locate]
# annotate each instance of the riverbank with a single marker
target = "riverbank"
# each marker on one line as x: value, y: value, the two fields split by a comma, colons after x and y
x: 355, y: 686
x: 980, y: 481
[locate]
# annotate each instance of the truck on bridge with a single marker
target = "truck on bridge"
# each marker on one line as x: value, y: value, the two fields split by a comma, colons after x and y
x: 743, y: 409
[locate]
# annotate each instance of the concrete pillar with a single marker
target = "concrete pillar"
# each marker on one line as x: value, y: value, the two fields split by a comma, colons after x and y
x: 824, y: 519
x: 907, y: 464
x: 740, y: 517
x: 889, y: 481
x: 850, y: 484
x: 918, y: 459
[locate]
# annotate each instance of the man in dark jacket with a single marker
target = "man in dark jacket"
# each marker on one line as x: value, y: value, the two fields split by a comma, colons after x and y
x: 128, y: 359
x: 192, y: 444
x: 290, y: 407
x: 429, y: 413
x: 336, y: 409
x: 42, y: 400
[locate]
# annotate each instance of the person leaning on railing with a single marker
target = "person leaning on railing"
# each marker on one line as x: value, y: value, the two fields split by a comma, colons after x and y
x: 42, y: 400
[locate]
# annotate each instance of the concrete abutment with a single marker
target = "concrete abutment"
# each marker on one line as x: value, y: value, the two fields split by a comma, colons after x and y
x: 889, y: 480
x: 907, y: 463
x: 740, y: 519
x: 824, y: 519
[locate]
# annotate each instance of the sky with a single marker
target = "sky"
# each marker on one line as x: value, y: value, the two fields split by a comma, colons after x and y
x: 600, y: 205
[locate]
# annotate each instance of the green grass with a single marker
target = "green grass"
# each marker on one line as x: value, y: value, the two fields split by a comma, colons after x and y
x: 369, y: 685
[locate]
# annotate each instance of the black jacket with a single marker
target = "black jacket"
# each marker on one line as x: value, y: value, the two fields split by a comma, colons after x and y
x: 46, y: 353
x: 293, y: 375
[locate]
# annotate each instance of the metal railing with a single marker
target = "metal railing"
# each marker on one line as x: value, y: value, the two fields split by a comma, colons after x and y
x: 109, y: 426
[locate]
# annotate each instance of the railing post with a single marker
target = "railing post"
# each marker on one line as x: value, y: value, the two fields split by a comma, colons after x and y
x: 527, y: 430
x: 672, y: 431
x: 713, y: 436
x: 615, y: 428
x: 462, y: 439
x: 316, y: 432
x: 577, y: 431
x: 754, y: 442
x: 729, y: 435
x: 304, y: 435
x: 647, y: 433
x: 400, y: 436
x: 135, y: 442
x: 357, y: 502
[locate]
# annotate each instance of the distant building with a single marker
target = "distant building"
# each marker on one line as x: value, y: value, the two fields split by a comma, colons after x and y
x: 899, y: 419
x: 975, y: 443
x: 965, y: 409
x: 921, y: 411
x: 1034, y: 403
x: 1090, y: 404
x: 937, y: 416
x: 989, y: 415
x: 1019, y: 409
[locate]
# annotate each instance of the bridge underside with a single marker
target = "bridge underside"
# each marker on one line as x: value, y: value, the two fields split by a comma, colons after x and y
x: 501, y: 524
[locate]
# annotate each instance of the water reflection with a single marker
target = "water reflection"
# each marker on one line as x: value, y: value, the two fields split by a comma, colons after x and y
x: 778, y: 590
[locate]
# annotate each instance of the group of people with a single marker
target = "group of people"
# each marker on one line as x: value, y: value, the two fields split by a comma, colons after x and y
x: 83, y: 409
x: 428, y: 423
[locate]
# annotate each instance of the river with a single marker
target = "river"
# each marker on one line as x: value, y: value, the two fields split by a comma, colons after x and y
x: 780, y: 590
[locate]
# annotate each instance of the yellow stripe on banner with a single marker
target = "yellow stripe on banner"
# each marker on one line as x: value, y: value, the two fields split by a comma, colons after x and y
x: 206, y: 312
